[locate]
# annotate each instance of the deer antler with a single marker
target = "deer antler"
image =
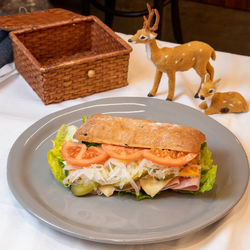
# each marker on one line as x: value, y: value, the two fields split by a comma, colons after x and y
x: 147, y: 22
x: 151, y: 12
x: 157, y: 20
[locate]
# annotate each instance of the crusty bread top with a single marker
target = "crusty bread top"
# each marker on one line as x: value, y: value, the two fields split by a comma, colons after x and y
x: 131, y: 132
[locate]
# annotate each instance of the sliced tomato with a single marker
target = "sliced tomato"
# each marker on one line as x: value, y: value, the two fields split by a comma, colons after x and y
x: 169, y: 158
x: 122, y: 153
x: 77, y: 154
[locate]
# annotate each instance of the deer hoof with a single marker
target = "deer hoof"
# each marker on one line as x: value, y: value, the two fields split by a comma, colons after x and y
x: 150, y: 95
x: 224, y: 110
x: 168, y: 99
x: 196, y: 95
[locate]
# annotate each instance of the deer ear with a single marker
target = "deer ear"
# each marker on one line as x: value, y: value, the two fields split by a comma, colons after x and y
x: 217, y: 82
x: 152, y: 35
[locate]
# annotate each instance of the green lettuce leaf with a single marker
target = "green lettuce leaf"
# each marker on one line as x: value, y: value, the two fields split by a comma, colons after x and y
x: 141, y: 196
x: 206, y: 157
x: 55, y: 160
x: 84, y: 118
x: 208, y: 171
x: 89, y: 144
x: 208, y: 179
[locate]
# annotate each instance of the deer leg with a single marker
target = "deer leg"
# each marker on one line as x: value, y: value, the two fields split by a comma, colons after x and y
x: 197, y: 93
x: 158, y: 75
x: 210, y: 71
x: 171, y: 85
x: 202, y: 73
x: 203, y: 105
x: 211, y: 111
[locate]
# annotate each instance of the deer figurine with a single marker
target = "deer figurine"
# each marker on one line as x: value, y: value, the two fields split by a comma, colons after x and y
x: 170, y: 60
x: 220, y: 102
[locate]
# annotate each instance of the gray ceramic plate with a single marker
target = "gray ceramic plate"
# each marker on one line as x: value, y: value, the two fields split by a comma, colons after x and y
x: 123, y: 220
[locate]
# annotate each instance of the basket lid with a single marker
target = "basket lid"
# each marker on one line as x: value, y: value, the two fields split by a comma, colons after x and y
x: 36, y: 18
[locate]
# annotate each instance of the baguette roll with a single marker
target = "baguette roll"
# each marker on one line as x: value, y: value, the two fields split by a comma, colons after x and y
x: 124, y: 131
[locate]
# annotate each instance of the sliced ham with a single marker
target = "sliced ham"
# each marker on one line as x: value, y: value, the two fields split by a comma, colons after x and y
x: 182, y: 183
x: 173, y: 183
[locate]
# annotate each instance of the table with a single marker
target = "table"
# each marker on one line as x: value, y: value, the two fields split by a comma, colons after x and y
x: 20, y: 107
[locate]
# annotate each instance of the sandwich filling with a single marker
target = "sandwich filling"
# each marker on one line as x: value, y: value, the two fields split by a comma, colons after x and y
x: 133, y: 175
x: 103, y: 168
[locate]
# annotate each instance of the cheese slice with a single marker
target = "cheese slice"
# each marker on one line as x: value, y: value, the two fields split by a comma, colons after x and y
x: 151, y: 186
x: 190, y: 171
x: 107, y: 190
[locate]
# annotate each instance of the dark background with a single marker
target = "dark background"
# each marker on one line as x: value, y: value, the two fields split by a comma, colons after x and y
x: 224, y: 24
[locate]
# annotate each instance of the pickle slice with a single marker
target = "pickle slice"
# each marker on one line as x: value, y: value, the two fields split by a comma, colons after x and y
x: 82, y: 189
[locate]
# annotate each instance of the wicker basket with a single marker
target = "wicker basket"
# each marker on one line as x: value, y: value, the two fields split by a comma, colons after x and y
x: 63, y: 55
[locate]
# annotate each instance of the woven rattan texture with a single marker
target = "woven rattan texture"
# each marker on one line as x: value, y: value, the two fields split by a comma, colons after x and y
x: 19, y: 21
x: 70, y: 82
x: 28, y: 70
x: 52, y: 45
x: 55, y: 60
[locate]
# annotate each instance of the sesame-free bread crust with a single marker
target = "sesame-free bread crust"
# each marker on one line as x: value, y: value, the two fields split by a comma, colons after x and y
x: 124, y: 131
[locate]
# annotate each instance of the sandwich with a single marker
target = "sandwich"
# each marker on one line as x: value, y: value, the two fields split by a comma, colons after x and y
x: 108, y: 155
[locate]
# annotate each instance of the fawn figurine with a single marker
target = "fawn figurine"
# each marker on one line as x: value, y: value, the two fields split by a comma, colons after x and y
x: 220, y: 102
x: 170, y: 60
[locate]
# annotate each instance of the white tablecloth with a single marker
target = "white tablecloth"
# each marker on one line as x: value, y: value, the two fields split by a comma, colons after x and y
x: 20, y: 107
